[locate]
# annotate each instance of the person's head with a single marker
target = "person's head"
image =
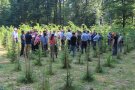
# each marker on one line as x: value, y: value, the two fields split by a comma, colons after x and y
x: 83, y: 31
x: 22, y: 32
x: 52, y: 36
x: 73, y: 34
x: 113, y: 34
x: 44, y: 31
x: 15, y: 29
x: 44, y: 34
x: 99, y: 33
x: 94, y: 31
x: 68, y: 30
x: 28, y: 32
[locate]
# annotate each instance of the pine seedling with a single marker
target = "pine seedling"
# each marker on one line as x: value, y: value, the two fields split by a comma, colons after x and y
x: 13, y: 52
x: 68, y: 81
x: 99, y: 67
x: 109, y: 61
x: 65, y: 58
x: 28, y: 77
x: 4, y: 41
x: 95, y: 54
x: 118, y: 55
x: 39, y: 53
x: 18, y: 66
x: 79, y: 54
x: 88, y: 76
x: 44, y: 82
x: 50, y: 67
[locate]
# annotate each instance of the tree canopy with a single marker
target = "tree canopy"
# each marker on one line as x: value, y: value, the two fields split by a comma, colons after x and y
x: 88, y: 12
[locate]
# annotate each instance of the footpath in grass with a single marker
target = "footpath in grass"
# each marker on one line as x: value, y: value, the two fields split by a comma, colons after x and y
x: 121, y: 77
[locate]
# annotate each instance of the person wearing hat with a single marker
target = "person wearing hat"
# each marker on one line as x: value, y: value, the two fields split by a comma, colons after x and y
x: 15, y: 35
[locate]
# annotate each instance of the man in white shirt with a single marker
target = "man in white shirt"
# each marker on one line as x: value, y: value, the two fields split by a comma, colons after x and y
x: 68, y: 37
x: 15, y: 35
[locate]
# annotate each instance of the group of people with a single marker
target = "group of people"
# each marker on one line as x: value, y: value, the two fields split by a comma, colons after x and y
x: 75, y: 41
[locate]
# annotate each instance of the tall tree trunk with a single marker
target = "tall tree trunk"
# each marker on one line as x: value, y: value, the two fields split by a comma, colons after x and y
x: 63, y: 13
x: 123, y: 14
x: 55, y: 12
x: 60, y: 12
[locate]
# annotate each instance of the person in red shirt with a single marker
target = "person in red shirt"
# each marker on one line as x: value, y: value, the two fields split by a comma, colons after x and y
x: 53, y: 46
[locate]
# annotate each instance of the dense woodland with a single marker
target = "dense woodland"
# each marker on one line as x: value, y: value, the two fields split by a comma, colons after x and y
x: 89, y: 12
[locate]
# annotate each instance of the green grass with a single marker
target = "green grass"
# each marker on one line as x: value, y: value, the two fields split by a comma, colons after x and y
x: 120, y: 77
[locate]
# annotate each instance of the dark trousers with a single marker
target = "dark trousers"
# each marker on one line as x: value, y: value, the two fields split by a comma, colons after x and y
x: 33, y: 47
x: 22, y: 49
x: 114, y: 51
x: 68, y: 44
x: 36, y: 46
x: 45, y: 47
x: 62, y: 42
x: 84, y: 46
x: 73, y: 49
x: 89, y: 42
x: 78, y: 45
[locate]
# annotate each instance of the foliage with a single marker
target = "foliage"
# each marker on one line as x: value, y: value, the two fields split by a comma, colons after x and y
x: 88, y: 76
x: 18, y: 65
x: 65, y: 58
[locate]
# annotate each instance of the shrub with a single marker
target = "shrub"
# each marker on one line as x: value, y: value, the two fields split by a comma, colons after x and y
x: 99, y: 67
x: 65, y: 58
x: 88, y: 76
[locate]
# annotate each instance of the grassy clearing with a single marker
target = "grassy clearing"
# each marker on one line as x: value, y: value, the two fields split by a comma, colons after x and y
x: 119, y: 77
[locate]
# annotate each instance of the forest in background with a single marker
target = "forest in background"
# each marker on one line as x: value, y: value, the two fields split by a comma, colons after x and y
x: 59, y: 12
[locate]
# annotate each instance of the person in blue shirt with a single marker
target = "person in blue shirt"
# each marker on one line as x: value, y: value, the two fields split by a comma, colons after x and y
x: 84, y: 40
x: 44, y: 41
x: 89, y: 37
x: 97, y: 40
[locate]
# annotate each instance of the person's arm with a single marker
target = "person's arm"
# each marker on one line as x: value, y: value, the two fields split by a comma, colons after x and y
x: 81, y: 37
x: 23, y: 37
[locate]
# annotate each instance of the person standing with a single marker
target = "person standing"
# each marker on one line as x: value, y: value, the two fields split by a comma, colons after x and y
x: 52, y: 42
x: 92, y: 41
x: 120, y: 43
x: 78, y: 34
x: 73, y: 43
x: 22, y: 43
x: 84, y: 39
x: 114, y: 44
x: 89, y: 37
x: 28, y: 38
x: 37, y: 42
x: 15, y: 35
x: 68, y: 37
x: 97, y: 41
x: 62, y: 38
x: 44, y: 41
